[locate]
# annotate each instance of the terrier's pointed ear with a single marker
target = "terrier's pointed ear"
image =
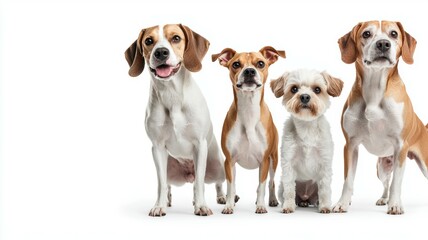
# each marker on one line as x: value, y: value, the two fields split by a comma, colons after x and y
x: 224, y: 57
x: 271, y: 54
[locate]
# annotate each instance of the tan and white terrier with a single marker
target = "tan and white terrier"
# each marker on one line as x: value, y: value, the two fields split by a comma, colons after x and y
x: 249, y: 135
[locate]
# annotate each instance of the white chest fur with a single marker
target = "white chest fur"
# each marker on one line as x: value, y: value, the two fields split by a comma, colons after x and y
x: 374, y: 120
x: 177, y: 120
x: 308, y: 146
x: 247, y: 139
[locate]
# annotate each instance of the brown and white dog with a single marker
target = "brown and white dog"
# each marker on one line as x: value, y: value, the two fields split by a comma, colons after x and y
x: 378, y: 112
x: 249, y: 136
x: 177, y: 118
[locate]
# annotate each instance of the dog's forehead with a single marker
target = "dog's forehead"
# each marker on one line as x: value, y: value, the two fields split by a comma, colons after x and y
x: 152, y: 31
x: 383, y: 26
x: 305, y: 78
x: 164, y: 30
x: 248, y: 57
x: 389, y: 25
x: 172, y: 29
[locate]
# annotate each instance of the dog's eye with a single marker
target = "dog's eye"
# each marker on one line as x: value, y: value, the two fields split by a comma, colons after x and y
x: 294, y: 89
x: 176, y: 39
x: 148, y: 41
x: 317, y: 90
x: 260, y: 64
x: 236, y: 65
x: 394, y: 34
x: 366, y: 34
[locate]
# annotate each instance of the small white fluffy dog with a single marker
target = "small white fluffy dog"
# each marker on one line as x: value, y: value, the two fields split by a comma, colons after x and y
x: 307, y: 145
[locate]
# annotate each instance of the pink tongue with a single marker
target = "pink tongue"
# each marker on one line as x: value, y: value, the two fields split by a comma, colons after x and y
x: 164, y: 71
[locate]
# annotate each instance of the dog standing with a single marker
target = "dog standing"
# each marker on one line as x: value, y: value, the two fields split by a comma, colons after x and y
x: 378, y: 113
x: 177, y: 117
x: 249, y: 136
x: 307, y: 144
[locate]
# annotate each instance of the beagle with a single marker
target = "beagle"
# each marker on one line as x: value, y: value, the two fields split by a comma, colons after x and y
x: 177, y: 117
x: 378, y: 112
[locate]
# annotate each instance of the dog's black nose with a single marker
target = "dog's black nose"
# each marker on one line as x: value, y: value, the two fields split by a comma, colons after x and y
x: 161, y: 53
x: 304, y: 98
x: 383, y: 45
x: 250, y: 72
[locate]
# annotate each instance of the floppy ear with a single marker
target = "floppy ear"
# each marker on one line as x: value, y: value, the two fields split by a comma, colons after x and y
x: 224, y: 56
x: 334, y: 85
x: 196, y: 48
x: 278, y: 85
x: 134, y: 57
x: 271, y: 54
x: 348, y: 48
x: 409, y: 45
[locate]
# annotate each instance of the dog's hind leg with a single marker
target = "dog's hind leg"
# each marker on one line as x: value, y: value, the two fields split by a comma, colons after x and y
x: 273, y: 201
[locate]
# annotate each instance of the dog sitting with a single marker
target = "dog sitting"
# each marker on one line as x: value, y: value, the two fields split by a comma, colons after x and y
x: 307, y: 145
x: 177, y: 118
x: 378, y: 112
x: 249, y: 136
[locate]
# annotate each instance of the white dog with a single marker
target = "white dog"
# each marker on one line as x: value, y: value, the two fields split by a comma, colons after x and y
x: 307, y: 145
x: 177, y: 117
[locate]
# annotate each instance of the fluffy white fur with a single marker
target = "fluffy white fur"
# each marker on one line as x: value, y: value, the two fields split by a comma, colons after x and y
x: 307, y: 145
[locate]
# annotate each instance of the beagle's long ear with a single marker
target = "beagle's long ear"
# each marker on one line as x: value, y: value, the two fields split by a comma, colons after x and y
x: 134, y: 57
x: 278, y: 85
x: 196, y: 48
x: 409, y: 45
x: 224, y: 57
x: 271, y: 54
x: 348, y: 48
x: 334, y: 85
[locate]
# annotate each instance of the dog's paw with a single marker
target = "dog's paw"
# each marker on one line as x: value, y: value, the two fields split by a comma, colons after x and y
x: 382, y: 201
x: 157, y: 212
x: 303, y: 204
x: 273, y: 203
x: 325, y: 210
x: 287, y: 210
x: 236, y: 198
x: 261, y: 209
x: 203, y: 211
x: 221, y: 200
x: 340, y: 208
x: 395, y: 209
x: 227, y: 210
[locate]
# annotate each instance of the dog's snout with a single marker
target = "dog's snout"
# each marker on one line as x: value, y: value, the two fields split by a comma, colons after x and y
x: 383, y: 45
x: 304, y: 98
x: 250, y: 72
x: 161, y: 53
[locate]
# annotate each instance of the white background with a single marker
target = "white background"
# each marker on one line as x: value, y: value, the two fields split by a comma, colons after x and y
x: 76, y: 160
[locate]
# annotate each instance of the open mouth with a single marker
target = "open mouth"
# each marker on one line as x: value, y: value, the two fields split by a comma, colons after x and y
x: 165, y: 70
x: 248, y: 84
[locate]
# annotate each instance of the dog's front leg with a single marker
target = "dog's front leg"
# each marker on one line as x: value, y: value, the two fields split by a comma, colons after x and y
x: 261, y: 189
x: 160, y: 156
x: 324, y: 191
x: 394, y: 204
x: 351, y: 160
x: 287, y: 187
x: 200, y: 158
